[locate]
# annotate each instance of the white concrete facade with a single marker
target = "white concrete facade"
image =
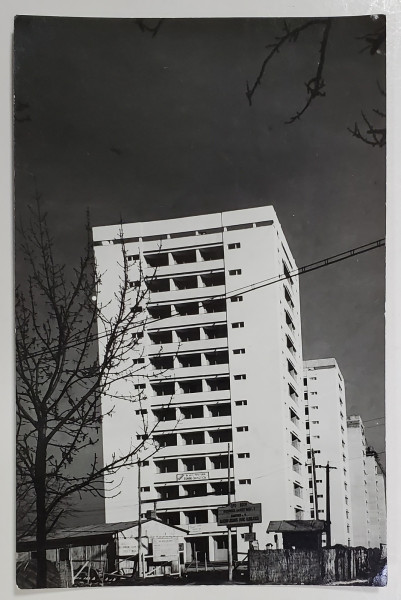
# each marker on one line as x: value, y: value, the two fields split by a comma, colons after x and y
x: 359, y: 486
x: 218, y: 367
x: 324, y: 395
x: 376, y: 500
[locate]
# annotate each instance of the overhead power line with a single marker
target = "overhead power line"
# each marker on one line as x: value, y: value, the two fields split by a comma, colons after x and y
x: 325, y: 262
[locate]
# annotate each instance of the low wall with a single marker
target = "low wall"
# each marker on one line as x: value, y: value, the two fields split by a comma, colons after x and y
x: 312, y: 567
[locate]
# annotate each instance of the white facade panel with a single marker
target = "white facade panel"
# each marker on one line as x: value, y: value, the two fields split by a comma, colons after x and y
x: 252, y: 399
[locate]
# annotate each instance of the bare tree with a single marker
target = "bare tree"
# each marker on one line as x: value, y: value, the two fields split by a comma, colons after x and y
x: 61, y: 377
x: 373, y: 135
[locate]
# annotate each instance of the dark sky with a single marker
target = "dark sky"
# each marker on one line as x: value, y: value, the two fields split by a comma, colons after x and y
x: 140, y: 127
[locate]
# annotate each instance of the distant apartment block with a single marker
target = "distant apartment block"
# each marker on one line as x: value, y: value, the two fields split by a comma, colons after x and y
x: 326, y: 424
x: 359, y: 481
x: 376, y: 500
x: 223, y: 367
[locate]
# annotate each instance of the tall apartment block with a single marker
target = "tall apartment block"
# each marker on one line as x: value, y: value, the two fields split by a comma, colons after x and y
x: 359, y: 483
x: 223, y: 368
x: 325, y: 408
x: 376, y: 499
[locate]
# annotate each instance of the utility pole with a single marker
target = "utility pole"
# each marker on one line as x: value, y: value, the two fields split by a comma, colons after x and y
x: 139, y: 521
x: 229, y: 545
x: 328, y: 508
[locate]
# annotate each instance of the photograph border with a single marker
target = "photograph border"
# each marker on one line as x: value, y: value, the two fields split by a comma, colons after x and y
x: 190, y: 8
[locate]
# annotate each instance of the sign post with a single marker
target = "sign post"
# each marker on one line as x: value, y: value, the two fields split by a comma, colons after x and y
x: 239, y: 514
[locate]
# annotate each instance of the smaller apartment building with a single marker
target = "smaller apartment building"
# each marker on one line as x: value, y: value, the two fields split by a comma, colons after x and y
x: 326, y: 425
x: 359, y: 481
x: 376, y: 499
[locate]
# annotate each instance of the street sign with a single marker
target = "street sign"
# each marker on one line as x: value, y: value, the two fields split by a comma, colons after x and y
x: 250, y: 537
x: 193, y: 476
x: 238, y: 514
x: 165, y: 549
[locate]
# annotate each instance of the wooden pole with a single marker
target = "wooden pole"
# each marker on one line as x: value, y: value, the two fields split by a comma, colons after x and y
x: 140, y: 570
x: 229, y: 544
x: 328, y: 508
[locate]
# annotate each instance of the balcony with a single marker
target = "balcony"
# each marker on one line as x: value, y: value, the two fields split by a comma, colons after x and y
x: 196, y: 267
x: 187, y: 294
x: 202, y: 397
x: 183, y: 424
x: 171, y: 476
x: 195, y: 346
x: 194, y: 502
x: 176, y: 321
x: 196, y: 449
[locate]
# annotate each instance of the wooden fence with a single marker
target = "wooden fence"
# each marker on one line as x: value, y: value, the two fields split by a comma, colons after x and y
x: 313, y: 567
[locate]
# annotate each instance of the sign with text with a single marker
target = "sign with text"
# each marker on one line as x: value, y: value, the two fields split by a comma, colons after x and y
x: 250, y: 537
x: 238, y: 514
x: 193, y: 476
x: 165, y: 549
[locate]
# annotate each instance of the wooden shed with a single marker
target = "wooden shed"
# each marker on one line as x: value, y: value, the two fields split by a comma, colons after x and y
x: 299, y: 534
x: 103, y: 553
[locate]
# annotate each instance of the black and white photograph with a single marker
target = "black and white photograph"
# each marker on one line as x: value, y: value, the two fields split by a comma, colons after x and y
x: 200, y: 221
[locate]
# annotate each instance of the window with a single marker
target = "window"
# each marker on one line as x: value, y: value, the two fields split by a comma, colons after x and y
x: 235, y: 272
x: 145, y: 463
x: 320, y: 495
x: 243, y: 428
x: 305, y: 381
x: 236, y: 299
x: 308, y: 439
x: 145, y: 489
x: 313, y: 393
x: 138, y: 361
x: 244, y: 481
x: 239, y: 377
x: 239, y: 351
x: 142, y: 411
x: 305, y: 395
x: 291, y: 368
x: 314, y: 378
x: 241, y: 402
x: 134, y: 284
x: 234, y: 246
x: 315, y: 422
x: 138, y: 335
x: 237, y: 325
x: 243, y: 455
x: 297, y: 490
x: 319, y: 480
x: 142, y: 436
x: 140, y: 386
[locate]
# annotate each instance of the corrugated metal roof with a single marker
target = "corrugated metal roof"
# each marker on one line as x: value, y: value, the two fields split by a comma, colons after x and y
x: 296, y: 526
x: 97, y: 530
